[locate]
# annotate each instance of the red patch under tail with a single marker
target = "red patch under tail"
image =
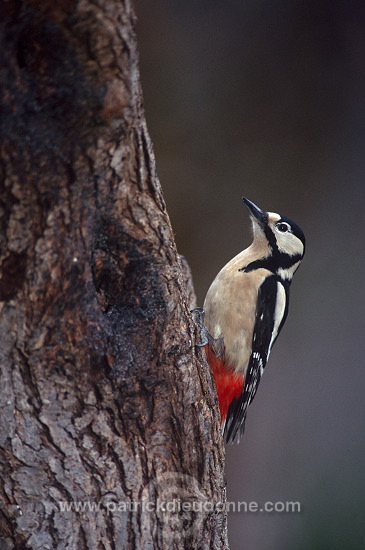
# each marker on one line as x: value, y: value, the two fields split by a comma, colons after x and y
x: 228, y: 384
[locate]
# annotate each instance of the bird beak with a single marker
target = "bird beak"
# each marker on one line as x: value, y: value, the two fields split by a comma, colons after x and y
x: 256, y: 212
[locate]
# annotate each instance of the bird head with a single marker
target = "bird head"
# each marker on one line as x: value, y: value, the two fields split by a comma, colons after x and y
x: 277, y: 234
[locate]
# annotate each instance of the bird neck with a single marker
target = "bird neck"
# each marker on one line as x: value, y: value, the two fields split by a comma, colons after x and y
x: 279, y: 263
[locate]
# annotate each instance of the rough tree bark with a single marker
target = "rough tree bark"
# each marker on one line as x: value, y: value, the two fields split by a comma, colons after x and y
x: 105, y: 402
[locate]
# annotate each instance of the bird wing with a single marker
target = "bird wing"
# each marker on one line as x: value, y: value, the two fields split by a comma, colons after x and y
x: 261, y: 344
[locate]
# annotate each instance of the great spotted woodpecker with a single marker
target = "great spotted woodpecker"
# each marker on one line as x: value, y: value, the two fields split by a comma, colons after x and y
x: 245, y: 309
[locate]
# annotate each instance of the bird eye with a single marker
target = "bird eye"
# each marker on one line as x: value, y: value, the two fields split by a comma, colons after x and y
x: 283, y: 227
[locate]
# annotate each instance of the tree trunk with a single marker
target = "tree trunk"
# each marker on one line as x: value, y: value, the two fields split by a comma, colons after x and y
x: 109, y: 427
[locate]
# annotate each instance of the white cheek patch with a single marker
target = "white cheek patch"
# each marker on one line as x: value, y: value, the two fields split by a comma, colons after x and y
x: 289, y: 244
x: 289, y: 272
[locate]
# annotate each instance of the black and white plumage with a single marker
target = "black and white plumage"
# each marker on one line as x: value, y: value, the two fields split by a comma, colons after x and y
x: 245, y: 309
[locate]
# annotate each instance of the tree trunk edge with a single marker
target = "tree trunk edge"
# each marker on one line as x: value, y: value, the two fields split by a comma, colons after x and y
x: 104, y: 397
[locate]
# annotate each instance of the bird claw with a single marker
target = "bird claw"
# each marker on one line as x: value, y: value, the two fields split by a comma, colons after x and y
x: 204, y: 341
x: 199, y: 314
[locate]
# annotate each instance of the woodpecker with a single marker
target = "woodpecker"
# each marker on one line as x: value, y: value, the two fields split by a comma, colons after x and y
x: 245, y: 309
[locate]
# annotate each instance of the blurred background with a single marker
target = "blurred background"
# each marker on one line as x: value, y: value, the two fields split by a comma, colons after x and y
x: 266, y: 99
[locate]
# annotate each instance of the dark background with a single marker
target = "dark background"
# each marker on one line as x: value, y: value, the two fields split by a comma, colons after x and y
x: 266, y: 99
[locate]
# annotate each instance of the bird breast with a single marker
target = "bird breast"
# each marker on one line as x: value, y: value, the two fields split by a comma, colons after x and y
x: 230, y: 311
